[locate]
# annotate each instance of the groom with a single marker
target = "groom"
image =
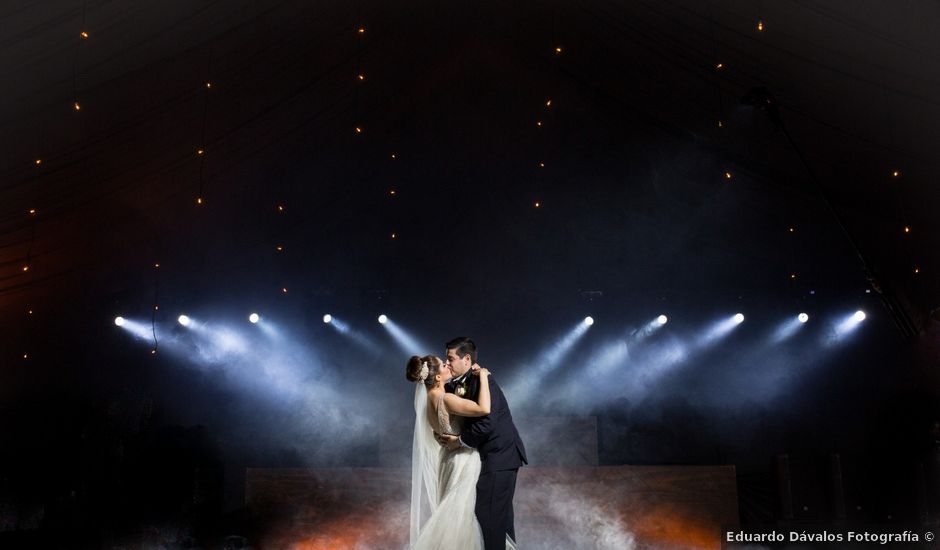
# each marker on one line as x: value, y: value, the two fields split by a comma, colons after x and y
x: 495, y: 436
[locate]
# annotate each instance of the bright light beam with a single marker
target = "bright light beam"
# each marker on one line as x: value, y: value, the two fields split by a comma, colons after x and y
x: 616, y: 353
x: 343, y: 328
x: 786, y: 330
x: 406, y: 342
x: 547, y: 361
x: 138, y: 329
x: 720, y: 329
x: 844, y: 328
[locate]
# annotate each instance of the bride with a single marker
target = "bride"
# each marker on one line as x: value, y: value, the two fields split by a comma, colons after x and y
x: 443, y: 482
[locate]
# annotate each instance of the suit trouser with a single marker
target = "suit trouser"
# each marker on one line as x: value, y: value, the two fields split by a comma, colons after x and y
x: 494, y: 507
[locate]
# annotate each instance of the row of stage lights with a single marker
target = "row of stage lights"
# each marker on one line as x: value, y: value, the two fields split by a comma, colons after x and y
x: 254, y: 318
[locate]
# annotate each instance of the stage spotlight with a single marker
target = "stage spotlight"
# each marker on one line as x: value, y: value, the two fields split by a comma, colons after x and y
x: 254, y: 318
x: 662, y: 320
x: 719, y: 330
x: 803, y: 317
x: 383, y: 319
x: 327, y: 318
x: 119, y: 321
x: 842, y: 329
x: 184, y: 320
x: 589, y: 320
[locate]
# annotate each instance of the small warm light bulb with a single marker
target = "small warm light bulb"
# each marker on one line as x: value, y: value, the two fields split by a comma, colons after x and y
x: 38, y: 162
x: 208, y: 85
x: 280, y: 208
x: 25, y: 356
x: 907, y: 229
x: 77, y: 106
x: 153, y: 352
x: 727, y: 175
x: 84, y: 34
x: 538, y: 205
x: 30, y: 312
x: 200, y: 152
x: 721, y: 124
x: 548, y: 103
x: 156, y: 265
x: 538, y: 123
x: 198, y: 200
x: 32, y: 211
x: 393, y: 156
x: 358, y: 130
x: 760, y: 25
x: 156, y: 308
x: 792, y: 276
x: 280, y: 248
x: 558, y: 50
x: 792, y: 230
x: 392, y: 192
x: 541, y: 165
x: 26, y: 268
x: 916, y: 270
x: 362, y: 76
x: 394, y: 235
x: 896, y: 173
x: 284, y: 290
x: 720, y: 66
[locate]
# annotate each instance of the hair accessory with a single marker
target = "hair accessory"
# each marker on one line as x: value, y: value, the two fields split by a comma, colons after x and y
x: 423, y: 375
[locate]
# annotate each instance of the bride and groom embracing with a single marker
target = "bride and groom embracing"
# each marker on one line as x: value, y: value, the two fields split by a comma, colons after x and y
x: 465, y: 456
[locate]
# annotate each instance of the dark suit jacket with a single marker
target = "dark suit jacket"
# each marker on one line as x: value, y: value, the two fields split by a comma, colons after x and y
x: 494, y: 435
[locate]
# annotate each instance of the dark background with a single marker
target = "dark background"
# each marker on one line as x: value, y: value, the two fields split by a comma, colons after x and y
x: 636, y: 218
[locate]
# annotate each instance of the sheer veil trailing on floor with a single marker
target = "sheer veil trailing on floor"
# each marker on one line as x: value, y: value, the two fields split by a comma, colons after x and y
x: 425, y: 465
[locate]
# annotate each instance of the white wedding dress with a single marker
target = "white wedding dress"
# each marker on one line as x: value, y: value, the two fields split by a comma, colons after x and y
x: 443, y: 485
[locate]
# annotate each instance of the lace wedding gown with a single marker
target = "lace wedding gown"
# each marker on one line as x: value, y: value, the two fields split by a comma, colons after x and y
x: 453, y: 522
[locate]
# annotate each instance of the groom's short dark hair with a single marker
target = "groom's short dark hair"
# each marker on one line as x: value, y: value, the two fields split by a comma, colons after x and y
x: 462, y: 346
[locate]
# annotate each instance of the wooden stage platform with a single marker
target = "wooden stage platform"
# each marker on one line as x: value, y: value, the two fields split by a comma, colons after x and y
x: 572, y: 507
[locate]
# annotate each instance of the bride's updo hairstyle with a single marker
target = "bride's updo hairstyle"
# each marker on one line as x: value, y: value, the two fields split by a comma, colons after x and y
x: 415, y: 364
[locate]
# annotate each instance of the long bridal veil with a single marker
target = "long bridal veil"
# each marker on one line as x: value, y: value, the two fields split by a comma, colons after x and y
x: 425, y: 461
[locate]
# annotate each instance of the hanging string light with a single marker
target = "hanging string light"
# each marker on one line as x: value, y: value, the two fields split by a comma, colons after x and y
x: 82, y: 37
x: 201, y: 151
x: 719, y: 66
